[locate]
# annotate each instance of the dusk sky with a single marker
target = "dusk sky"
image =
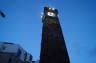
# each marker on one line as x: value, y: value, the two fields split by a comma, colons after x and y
x: 23, y: 26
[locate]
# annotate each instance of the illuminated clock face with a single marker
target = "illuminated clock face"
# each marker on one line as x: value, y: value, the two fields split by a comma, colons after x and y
x: 51, y: 14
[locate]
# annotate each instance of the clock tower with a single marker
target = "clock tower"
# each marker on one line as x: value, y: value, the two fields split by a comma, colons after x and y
x: 53, y: 48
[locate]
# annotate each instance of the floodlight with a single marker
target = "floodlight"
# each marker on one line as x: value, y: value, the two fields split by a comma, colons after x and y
x: 53, y: 8
x: 51, y: 14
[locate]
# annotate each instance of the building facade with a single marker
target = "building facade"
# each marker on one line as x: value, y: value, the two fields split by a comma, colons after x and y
x: 53, y: 48
x: 13, y: 53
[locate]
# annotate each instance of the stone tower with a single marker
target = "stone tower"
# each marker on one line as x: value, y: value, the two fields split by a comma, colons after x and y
x: 53, y: 48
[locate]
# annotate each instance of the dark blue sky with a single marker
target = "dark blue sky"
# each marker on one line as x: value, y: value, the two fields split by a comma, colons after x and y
x: 23, y: 25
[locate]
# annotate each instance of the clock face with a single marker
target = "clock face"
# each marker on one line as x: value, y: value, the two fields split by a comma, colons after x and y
x: 51, y: 14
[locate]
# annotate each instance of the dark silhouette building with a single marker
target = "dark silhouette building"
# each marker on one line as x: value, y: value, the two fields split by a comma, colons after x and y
x: 53, y: 48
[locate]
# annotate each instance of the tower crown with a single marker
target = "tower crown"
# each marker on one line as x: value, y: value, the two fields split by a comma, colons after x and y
x: 52, y: 12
